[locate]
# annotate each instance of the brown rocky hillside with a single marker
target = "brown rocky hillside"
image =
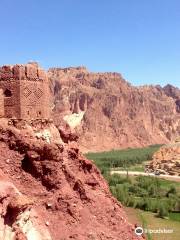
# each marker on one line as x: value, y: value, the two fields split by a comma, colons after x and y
x: 166, y: 160
x: 107, y: 112
x: 49, y: 191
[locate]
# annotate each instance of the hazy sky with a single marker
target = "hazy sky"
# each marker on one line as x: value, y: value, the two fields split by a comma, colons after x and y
x: 138, y: 38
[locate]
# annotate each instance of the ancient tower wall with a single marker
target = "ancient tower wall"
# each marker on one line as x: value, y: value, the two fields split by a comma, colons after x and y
x: 33, y: 93
x: 10, y: 84
x: 1, y: 103
x: 26, y: 91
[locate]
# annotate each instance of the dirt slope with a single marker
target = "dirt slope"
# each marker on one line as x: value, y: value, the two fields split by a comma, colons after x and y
x: 49, y: 191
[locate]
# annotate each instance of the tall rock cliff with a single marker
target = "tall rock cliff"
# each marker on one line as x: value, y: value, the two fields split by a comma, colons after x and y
x: 107, y: 112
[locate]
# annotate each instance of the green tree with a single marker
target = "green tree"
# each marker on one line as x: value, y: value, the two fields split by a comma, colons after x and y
x: 163, y: 210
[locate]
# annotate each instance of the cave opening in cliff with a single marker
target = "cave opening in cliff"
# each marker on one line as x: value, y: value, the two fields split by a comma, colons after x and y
x: 10, y: 216
x: 28, y: 167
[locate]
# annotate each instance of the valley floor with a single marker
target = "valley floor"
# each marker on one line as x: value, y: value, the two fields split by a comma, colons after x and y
x: 142, y: 190
x: 150, y: 221
x: 136, y: 173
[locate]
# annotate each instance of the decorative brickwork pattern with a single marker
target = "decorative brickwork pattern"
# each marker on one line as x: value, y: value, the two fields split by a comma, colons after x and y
x: 25, y: 92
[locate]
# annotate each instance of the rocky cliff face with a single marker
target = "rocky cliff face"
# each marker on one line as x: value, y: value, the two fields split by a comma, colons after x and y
x: 107, y: 112
x: 49, y: 191
x: 173, y: 92
x: 166, y: 160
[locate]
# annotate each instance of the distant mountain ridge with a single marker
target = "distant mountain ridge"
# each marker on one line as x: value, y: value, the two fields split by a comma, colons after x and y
x: 109, y: 113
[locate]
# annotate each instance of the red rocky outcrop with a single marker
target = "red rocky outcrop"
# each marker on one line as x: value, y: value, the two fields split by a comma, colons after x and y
x: 166, y: 160
x: 112, y: 113
x: 58, y: 193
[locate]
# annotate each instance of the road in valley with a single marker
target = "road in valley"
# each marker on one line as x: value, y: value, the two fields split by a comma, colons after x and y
x: 135, y: 173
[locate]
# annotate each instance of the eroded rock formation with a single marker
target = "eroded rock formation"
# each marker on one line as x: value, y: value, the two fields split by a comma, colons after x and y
x: 49, y: 191
x: 108, y: 112
x: 166, y: 160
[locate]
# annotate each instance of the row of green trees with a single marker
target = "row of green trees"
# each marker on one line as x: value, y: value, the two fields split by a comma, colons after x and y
x: 122, y: 158
x: 146, y: 193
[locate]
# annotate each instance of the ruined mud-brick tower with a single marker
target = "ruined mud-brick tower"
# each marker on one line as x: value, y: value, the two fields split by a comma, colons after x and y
x: 24, y: 92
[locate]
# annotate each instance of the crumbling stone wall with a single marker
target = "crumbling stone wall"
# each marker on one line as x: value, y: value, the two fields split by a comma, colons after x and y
x: 26, y: 91
x: 1, y: 103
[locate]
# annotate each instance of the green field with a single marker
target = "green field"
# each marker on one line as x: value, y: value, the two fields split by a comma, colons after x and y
x: 147, y: 193
x: 175, y: 216
x: 150, y: 221
x: 134, y: 167
x: 152, y: 194
x: 131, y: 158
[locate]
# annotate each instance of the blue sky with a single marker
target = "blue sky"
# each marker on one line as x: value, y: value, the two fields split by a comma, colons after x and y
x: 138, y: 38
